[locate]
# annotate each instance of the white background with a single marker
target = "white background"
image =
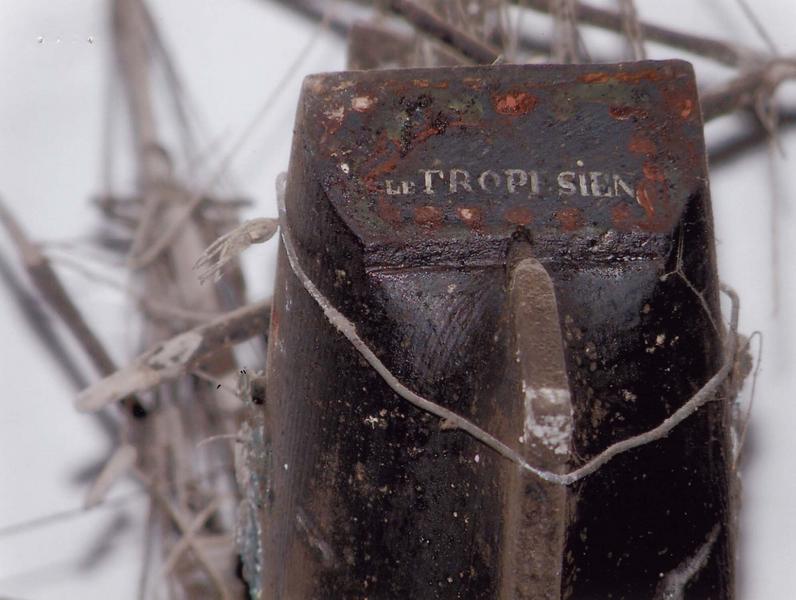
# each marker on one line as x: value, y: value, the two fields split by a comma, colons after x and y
x: 232, y: 53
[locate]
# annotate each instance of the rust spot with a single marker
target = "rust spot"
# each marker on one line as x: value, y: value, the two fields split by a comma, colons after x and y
x: 571, y: 218
x: 388, y: 212
x: 645, y: 196
x: 275, y: 322
x: 626, y: 77
x: 381, y: 169
x: 595, y: 77
x: 623, y: 113
x: 422, y: 136
x: 686, y: 108
x: 473, y: 83
x: 519, y: 215
x: 680, y: 102
x: 429, y: 216
x: 641, y: 144
x: 426, y: 83
x: 652, y: 171
x: 647, y: 74
x: 622, y: 217
x: 514, y: 103
x: 472, y: 216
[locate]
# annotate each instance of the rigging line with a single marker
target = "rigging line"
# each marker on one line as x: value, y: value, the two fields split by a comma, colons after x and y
x: 160, y: 244
x: 565, y: 31
x: 632, y: 27
x: 758, y: 26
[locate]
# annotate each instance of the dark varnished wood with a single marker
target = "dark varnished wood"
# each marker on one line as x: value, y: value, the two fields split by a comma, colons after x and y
x: 372, y: 498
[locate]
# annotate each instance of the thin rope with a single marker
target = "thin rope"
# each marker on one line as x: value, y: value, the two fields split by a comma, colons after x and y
x: 632, y: 28
x: 565, y: 31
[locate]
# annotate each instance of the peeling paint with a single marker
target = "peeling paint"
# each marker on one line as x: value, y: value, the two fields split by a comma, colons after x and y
x: 554, y: 431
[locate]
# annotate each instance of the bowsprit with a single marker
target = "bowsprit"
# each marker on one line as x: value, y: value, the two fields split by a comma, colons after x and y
x: 489, y: 276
